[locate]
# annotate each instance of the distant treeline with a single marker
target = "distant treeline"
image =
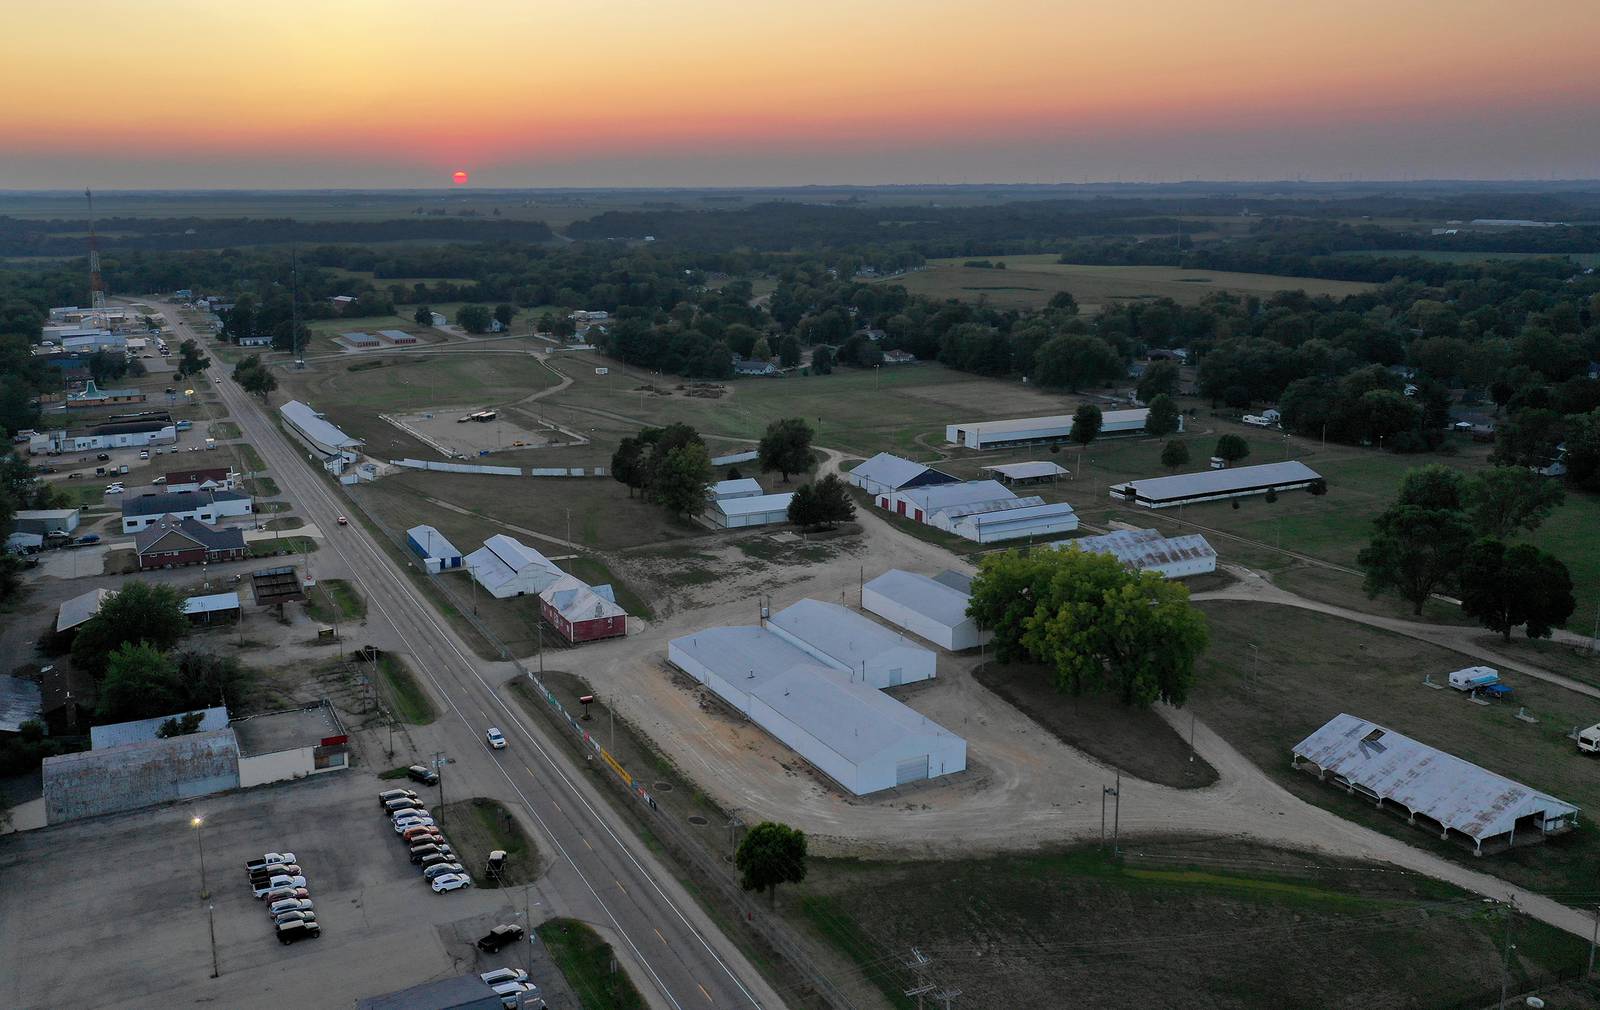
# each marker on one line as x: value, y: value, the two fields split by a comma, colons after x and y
x: 65, y: 237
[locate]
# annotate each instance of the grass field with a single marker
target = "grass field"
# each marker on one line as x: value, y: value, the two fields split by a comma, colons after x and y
x: 586, y: 962
x: 335, y: 600
x: 1028, y: 282
x: 1264, y: 685
x: 411, y: 703
x: 281, y: 545
x: 1173, y: 924
x: 479, y: 826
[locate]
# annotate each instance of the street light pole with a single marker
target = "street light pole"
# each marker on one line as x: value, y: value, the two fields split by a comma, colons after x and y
x: 200, y: 841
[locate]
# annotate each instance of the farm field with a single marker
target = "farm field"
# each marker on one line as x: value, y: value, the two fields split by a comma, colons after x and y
x: 1272, y: 675
x: 1029, y: 281
x: 1174, y: 923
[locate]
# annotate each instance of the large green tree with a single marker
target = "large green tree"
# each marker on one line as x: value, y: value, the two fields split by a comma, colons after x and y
x: 1503, y: 501
x: 786, y: 447
x: 1504, y: 587
x: 1086, y: 423
x: 474, y: 318
x: 1232, y: 448
x: 1076, y: 360
x: 191, y: 360
x: 771, y: 854
x: 141, y: 682
x: 254, y: 377
x: 1174, y: 454
x: 1414, y: 552
x: 1160, y: 378
x: 1163, y: 418
x: 679, y: 483
x: 138, y: 612
x: 1100, y: 627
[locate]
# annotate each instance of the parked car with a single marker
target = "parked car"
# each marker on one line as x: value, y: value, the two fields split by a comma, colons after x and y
x: 289, y: 932
x: 420, y: 773
x: 439, y: 869
x: 395, y: 794
x: 514, y: 987
x: 412, y: 822
x: 266, y: 873
x: 496, y: 739
x: 450, y: 882
x: 396, y: 816
x: 407, y: 800
x: 102, y: 457
x: 87, y: 539
x: 279, y: 920
x: 276, y: 882
x: 411, y: 836
x: 278, y: 893
x: 269, y: 858
x: 444, y: 855
x: 499, y: 937
x: 500, y: 975
x: 159, y: 480
x: 283, y: 905
x: 116, y: 489
x: 74, y: 475
x: 420, y: 852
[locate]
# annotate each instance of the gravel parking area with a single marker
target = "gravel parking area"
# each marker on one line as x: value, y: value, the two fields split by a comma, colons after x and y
x: 118, y: 900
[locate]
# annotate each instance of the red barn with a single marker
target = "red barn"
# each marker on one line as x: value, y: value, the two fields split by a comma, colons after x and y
x: 580, y: 612
x: 171, y: 541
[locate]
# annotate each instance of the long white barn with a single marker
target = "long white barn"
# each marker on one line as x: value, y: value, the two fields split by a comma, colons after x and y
x: 1053, y: 428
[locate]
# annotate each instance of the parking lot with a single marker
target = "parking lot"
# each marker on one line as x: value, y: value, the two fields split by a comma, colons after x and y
x: 118, y: 900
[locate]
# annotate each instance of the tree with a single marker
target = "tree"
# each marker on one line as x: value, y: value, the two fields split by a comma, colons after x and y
x: 1435, y: 486
x: 771, y: 854
x: 140, y: 683
x: 627, y: 464
x: 1231, y: 448
x: 423, y: 316
x: 1063, y: 301
x: 803, y: 511
x: 822, y: 360
x: 254, y: 377
x: 1161, y: 378
x: 138, y: 612
x: 786, y: 447
x: 789, y: 351
x: 1414, y: 552
x: 762, y: 351
x: 1086, y: 421
x: 473, y: 318
x: 504, y: 313
x: 1100, y: 627
x: 679, y: 483
x: 1505, y: 587
x: 180, y: 725
x: 1175, y: 454
x: 191, y: 361
x: 1163, y: 418
x: 834, y: 504
x: 1506, y: 500
x: 1076, y: 360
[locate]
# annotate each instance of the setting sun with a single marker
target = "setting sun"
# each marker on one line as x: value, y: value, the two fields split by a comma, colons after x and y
x: 459, y: 178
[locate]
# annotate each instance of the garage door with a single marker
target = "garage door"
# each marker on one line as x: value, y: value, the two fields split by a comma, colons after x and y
x: 911, y: 770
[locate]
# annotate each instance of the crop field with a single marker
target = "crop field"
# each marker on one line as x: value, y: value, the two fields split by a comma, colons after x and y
x: 1173, y: 923
x: 1272, y: 675
x: 1028, y: 282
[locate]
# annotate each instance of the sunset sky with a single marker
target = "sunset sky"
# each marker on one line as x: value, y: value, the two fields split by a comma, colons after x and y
x: 401, y: 93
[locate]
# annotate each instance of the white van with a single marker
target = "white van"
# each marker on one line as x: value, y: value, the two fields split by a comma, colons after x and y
x: 1589, y: 739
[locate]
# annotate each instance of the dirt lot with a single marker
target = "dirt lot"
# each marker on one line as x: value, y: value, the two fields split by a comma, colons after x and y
x: 1191, y: 925
x: 443, y: 428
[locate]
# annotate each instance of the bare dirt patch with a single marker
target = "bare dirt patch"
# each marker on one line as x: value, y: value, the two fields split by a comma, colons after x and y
x: 1138, y: 741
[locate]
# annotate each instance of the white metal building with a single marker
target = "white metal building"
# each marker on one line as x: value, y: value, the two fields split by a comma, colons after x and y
x: 435, y: 550
x: 1041, y: 520
x: 1149, y: 551
x: 745, y: 487
x: 508, y: 567
x: 926, y: 607
x: 887, y: 472
x: 1031, y: 472
x: 856, y: 735
x: 1439, y: 790
x: 760, y: 510
x: 924, y: 503
x: 859, y: 647
x: 1055, y: 428
x: 210, y: 507
x: 315, y: 430
x: 1215, y: 485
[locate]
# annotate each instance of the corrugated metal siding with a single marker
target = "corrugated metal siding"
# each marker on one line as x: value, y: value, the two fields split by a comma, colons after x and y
x: 138, y: 775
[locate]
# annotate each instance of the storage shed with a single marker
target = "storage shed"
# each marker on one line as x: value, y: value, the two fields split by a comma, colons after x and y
x: 859, y: 737
x: 1439, y: 791
x: 43, y: 521
x: 858, y: 647
x: 928, y: 608
x: 1033, y: 521
x: 745, y: 487
x: 1215, y: 485
x: 437, y: 552
x: 1032, y: 472
x: 761, y: 510
x: 1149, y: 551
x: 507, y: 567
x: 887, y: 472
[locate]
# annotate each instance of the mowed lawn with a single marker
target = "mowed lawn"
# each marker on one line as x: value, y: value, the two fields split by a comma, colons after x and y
x: 1272, y: 675
x: 1028, y: 282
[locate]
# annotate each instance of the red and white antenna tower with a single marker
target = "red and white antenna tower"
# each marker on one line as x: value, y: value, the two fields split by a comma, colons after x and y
x: 97, y: 287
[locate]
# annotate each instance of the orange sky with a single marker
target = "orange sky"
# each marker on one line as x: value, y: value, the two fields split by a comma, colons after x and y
x: 401, y: 92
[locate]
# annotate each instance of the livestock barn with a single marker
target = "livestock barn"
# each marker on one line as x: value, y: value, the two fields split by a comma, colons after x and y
x: 582, y: 613
x: 929, y: 608
x: 1215, y: 485
x: 886, y: 472
x: 857, y: 646
x: 1149, y: 551
x: 1055, y: 428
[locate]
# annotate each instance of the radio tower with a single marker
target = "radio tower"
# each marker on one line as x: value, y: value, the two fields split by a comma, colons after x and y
x: 97, y: 287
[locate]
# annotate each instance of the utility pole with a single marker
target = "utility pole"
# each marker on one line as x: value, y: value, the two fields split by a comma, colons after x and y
x: 918, y: 965
x: 569, y: 527
x: 947, y: 996
x: 1116, y: 793
x: 1593, y: 940
x: 1505, y: 960
x: 211, y: 913
x: 200, y: 842
x: 438, y: 770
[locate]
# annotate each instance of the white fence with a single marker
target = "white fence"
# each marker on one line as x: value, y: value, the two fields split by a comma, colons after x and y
x: 501, y: 471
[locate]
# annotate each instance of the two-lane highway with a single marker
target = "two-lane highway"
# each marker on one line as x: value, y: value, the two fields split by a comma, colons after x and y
x: 603, y: 873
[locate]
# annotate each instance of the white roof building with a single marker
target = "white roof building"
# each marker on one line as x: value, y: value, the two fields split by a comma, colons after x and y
x: 856, y: 735
x: 745, y: 487
x: 1044, y: 519
x: 79, y: 609
x: 313, y: 429
x: 435, y: 550
x: 1054, y: 428
x: 857, y: 646
x: 507, y: 567
x: 886, y: 472
x: 213, y: 603
x: 1215, y: 485
x: 929, y: 608
x: 118, y: 733
x: 1149, y: 551
x: 1035, y: 470
x: 758, y: 510
x: 1448, y: 794
x: 924, y: 503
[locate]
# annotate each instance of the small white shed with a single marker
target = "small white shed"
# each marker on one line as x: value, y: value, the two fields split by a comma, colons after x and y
x: 760, y: 510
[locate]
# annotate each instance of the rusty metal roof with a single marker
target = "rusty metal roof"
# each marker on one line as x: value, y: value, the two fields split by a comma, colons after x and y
x: 1456, y: 793
x: 1144, y: 548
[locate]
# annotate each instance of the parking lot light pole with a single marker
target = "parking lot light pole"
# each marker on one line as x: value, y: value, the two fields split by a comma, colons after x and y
x: 198, y: 823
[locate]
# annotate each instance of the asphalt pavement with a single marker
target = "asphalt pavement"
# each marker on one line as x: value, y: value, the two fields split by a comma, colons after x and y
x: 602, y: 873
